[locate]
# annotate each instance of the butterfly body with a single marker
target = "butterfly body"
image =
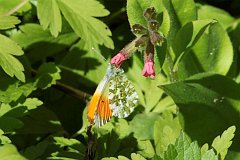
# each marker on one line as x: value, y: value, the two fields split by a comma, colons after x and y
x: 114, y: 96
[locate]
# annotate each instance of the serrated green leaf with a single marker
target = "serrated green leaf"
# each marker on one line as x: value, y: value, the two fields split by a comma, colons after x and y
x: 8, y: 62
x: 47, y: 75
x: 135, y: 156
x: 9, y: 151
x: 49, y: 16
x: 204, y: 149
x: 61, y: 141
x: 221, y: 144
x: 32, y: 103
x: 81, y: 16
x: 7, y: 22
x: 209, y: 155
x: 166, y: 131
x: 170, y: 153
x: 204, y: 102
x: 146, y: 149
x: 182, y: 144
x: 142, y: 125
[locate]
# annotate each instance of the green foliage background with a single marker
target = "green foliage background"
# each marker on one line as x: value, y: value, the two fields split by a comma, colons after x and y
x: 50, y: 67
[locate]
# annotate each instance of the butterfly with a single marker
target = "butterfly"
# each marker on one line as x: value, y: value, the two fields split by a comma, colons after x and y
x: 115, y: 96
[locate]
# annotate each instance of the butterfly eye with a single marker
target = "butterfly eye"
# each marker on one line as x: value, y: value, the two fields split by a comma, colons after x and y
x: 149, y: 13
x: 153, y: 25
x: 139, y: 29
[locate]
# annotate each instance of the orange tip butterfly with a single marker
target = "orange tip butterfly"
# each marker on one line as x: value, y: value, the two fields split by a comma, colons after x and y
x: 114, y: 96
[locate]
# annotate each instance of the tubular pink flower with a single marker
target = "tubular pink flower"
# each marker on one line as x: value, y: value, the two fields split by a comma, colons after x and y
x: 148, y: 70
x: 118, y: 59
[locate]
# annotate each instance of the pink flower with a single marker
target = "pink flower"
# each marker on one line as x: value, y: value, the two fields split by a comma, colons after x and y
x: 148, y: 70
x: 118, y: 59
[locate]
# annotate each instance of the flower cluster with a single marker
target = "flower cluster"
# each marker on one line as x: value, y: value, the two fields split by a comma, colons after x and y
x: 147, y: 37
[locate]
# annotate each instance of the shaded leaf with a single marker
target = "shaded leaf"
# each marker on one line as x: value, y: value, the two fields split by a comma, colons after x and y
x: 34, y: 152
x: 33, y: 39
x: 47, y: 75
x: 204, y: 102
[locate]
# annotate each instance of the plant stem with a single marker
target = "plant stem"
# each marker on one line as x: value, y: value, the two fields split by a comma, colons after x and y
x: 16, y: 8
x: 71, y: 91
x: 172, y: 73
x: 114, y: 15
x: 68, y: 89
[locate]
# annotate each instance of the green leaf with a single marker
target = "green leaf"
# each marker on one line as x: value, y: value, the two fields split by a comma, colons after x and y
x: 33, y: 38
x: 221, y: 144
x: 188, y: 36
x: 137, y: 126
x: 74, y: 149
x: 11, y: 65
x: 34, y: 152
x: 204, y: 149
x: 9, y: 151
x: 10, y: 124
x: 146, y: 149
x: 210, y: 12
x: 209, y: 155
x: 6, y: 6
x: 32, y: 103
x: 92, y: 67
x: 81, y: 16
x: 203, y: 101
x: 207, y: 56
x: 49, y: 16
x: 166, y: 131
x: 4, y: 139
x: 7, y: 22
x: 47, y: 75
x: 135, y: 156
x: 135, y: 9
x: 170, y: 153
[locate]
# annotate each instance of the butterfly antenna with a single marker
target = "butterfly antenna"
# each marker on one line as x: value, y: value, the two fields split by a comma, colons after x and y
x: 99, y: 54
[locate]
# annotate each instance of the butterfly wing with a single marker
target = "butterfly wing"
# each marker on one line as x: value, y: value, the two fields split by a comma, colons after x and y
x: 122, y: 95
x: 99, y: 111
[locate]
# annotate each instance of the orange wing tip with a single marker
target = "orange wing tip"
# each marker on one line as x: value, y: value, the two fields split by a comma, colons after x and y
x: 93, y: 106
x: 103, y: 113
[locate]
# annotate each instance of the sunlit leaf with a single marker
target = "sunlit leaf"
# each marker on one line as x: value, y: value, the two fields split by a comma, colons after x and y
x: 49, y: 16
x: 10, y: 64
x: 7, y: 22
x: 221, y: 144
x: 9, y: 151
x: 82, y: 20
